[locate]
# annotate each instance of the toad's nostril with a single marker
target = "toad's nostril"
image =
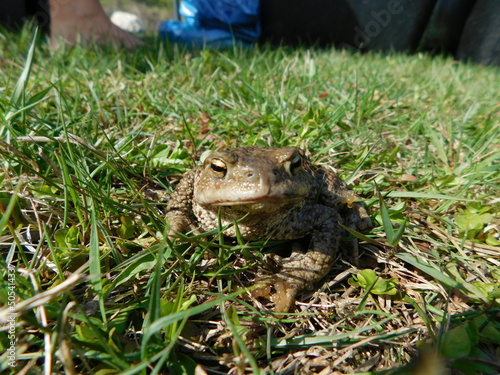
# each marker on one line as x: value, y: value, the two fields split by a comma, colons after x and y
x: 251, y: 175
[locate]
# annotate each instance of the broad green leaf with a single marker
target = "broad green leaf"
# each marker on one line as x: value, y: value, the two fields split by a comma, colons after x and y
x: 473, y: 366
x: 67, y: 238
x: 456, y: 343
x: 471, y: 221
x: 370, y: 281
x: 487, y: 330
x: 127, y: 227
x: 181, y: 364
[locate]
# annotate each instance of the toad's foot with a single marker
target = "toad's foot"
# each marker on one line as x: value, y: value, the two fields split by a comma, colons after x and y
x: 298, y: 273
x: 283, y: 296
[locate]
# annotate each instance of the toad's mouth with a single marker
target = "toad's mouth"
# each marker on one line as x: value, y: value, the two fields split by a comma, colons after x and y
x: 266, y: 200
x: 248, y: 196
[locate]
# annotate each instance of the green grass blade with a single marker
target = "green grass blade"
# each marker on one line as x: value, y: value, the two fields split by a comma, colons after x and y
x: 231, y: 318
x: 386, y: 220
x: 154, y: 306
x: 33, y: 102
x: 95, y: 261
x: 430, y: 269
x: 164, y: 321
x: 400, y: 232
x: 19, y: 93
x: 10, y: 208
x: 420, y: 195
x: 141, y: 262
x: 326, y: 340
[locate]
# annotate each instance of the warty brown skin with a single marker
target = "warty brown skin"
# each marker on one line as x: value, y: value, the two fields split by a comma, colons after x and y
x: 281, y: 196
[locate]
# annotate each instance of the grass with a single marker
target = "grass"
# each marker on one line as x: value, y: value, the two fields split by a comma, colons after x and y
x: 93, y: 141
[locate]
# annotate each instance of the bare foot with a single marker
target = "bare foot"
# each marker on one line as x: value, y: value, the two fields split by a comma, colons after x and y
x: 85, y: 20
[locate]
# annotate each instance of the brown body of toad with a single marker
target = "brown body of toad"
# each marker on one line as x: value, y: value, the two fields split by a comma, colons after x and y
x: 273, y: 193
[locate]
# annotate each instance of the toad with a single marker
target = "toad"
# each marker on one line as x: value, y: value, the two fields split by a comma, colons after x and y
x: 271, y: 193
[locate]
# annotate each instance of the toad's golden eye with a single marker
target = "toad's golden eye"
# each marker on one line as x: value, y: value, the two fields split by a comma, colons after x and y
x: 296, y: 163
x: 219, y: 167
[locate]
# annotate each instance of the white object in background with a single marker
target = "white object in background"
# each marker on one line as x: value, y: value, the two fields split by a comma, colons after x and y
x: 128, y: 22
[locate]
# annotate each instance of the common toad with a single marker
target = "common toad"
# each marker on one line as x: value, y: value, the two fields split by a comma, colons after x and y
x: 273, y: 193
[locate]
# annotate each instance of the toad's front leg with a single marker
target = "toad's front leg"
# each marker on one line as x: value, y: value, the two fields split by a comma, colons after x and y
x: 301, y: 270
x: 180, y: 217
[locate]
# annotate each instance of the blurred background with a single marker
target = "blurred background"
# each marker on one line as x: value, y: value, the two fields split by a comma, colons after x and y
x: 466, y: 29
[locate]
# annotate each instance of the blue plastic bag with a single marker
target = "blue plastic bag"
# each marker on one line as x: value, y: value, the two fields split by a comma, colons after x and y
x: 214, y: 23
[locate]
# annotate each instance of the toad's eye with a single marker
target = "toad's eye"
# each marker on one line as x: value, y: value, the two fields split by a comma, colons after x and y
x: 219, y: 167
x: 296, y: 163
